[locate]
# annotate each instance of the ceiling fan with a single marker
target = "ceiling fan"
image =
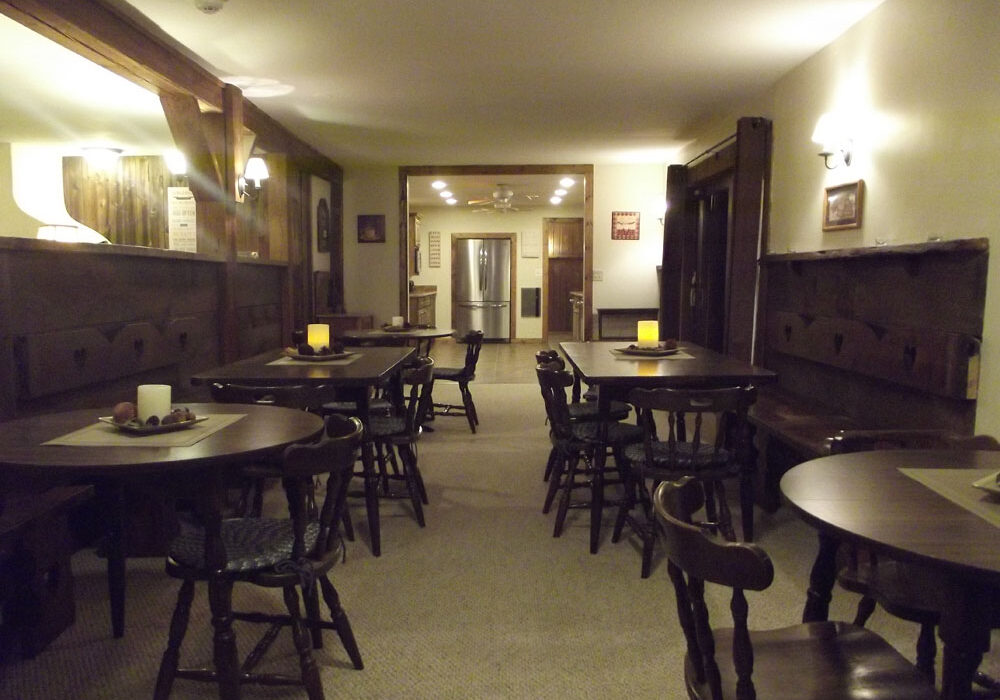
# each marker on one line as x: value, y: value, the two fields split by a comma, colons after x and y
x: 500, y: 200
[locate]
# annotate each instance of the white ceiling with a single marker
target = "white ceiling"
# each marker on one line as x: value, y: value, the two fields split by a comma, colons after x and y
x: 421, y: 82
x: 435, y: 82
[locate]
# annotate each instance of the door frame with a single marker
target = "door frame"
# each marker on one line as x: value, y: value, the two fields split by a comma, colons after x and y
x: 544, y: 301
x: 582, y: 170
x: 512, y: 237
x: 748, y: 157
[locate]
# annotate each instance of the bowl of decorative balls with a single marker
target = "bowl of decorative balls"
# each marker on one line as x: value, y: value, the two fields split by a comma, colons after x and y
x: 125, y: 418
x: 308, y: 353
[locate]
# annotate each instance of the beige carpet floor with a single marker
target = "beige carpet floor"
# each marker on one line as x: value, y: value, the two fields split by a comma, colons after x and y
x: 482, y: 603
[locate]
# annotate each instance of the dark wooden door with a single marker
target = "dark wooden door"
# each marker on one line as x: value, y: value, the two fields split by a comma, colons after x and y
x: 706, y: 309
x: 563, y: 242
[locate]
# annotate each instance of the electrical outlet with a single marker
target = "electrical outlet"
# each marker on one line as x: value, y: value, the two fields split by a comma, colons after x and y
x: 598, y: 275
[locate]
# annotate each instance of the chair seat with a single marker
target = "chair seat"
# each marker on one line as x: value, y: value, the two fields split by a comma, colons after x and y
x: 452, y: 373
x: 384, y: 426
x: 807, y: 662
x: 683, y: 459
x: 587, y: 410
x: 618, y: 433
x: 252, y: 544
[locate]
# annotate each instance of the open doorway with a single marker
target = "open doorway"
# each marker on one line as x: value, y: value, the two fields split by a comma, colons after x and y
x: 532, y: 238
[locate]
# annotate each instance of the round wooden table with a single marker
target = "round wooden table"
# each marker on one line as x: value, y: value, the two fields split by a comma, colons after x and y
x: 420, y: 338
x: 262, y: 431
x: 864, y: 498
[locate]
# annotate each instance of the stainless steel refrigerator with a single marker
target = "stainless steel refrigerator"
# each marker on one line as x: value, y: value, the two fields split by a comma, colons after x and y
x: 481, y: 287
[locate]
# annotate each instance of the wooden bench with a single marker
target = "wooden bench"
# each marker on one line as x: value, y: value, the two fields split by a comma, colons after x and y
x: 36, y: 581
x: 869, y: 338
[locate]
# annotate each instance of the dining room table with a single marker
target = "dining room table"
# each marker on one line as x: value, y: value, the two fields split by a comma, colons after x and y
x: 939, y: 509
x: 615, y: 369
x: 420, y: 337
x: 355, y: 374
x: 191, y: 462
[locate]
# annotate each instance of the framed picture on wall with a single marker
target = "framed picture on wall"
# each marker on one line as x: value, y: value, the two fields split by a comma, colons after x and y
x: 624, y: 225
x: 371, y: 228
x: 842, y: 206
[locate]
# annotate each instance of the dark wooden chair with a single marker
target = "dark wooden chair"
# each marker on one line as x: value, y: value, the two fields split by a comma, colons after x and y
x: 576, y: 442
x: 903, y: 589
x: 395, y: 436
x: 579, y: 411
x: 292, y: 554
x: 254, y: 476
x: 462, y: 376
x: 807, y: 661
x: 716, y: 449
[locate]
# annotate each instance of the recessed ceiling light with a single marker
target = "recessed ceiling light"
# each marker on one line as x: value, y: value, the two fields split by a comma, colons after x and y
x: 567, y: 182
x: 560, y: 192
x: 439, y: 184
x: 452, y: 200
x: 445, y: 194
x: 555, y: 200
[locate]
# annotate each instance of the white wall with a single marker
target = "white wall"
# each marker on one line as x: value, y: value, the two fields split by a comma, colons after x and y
x: 371, y: 270
x: 15, y: 221
x: 919, y: 78
x: 628, y: 268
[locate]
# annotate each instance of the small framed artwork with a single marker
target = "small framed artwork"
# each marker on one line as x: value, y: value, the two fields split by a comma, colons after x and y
x: 842, y: 206
x: 371, y: 228
x: 624, y: 225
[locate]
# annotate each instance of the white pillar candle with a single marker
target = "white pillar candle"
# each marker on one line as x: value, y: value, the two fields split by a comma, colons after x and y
x: 648, y: 334
x: 397, y: 321
x: 318, y: 335
x: 152, y: 400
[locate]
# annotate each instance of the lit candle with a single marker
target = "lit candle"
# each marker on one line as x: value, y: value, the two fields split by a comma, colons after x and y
x: 152, y: 400
x: 397, y: 321
x: 318, y: 335
x: 648, y: 334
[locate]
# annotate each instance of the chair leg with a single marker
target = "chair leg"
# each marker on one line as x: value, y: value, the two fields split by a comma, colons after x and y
x: 311, y: 600
x: 171, y: 656
x: 348, y: 525
x: 926, y: 650
x: 866, y: 606
x: 567, y: 487
x: 550, y: 464
x: 340, y: 622
x: 310, y: 673
x: 470, y: 406
x: 555, y: 479
x: 409, y: 474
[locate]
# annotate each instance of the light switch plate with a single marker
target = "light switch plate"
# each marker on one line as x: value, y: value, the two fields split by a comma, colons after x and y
x: 598, y: 275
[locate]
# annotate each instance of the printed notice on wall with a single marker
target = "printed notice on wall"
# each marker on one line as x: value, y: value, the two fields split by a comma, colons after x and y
x: 182, y: 231
x: 434, y: 249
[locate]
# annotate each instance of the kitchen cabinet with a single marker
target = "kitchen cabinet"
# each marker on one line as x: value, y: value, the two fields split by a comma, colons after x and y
x: 423, y: 301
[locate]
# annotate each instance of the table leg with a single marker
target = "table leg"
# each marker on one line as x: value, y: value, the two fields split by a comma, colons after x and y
x: 597, y: 482
x: 821, y: 580
x: 370, y: 474
x: 965, y: 632
x: 111, y: 496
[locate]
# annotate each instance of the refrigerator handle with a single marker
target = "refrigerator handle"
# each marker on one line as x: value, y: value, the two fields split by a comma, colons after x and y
x: 483, y: 266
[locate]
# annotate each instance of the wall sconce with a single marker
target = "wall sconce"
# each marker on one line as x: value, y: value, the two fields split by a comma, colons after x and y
x: 832, y: 135
x: 254, y: 173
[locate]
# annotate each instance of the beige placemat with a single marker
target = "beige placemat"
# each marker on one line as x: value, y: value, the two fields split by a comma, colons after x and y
x: 104, y: 435
x: 956, y: 486
x: 679, y: 355
x: 292, y: 361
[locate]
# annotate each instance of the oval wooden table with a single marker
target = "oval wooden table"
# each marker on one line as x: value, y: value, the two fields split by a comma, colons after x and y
x: 865, y: 498
x: 261, y: 431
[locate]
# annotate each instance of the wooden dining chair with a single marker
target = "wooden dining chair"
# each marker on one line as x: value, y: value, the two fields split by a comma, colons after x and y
x: 462, y: 376
x: 395, y: 437
x: 255, y: 475
x: 707, y: 437
x: 806, y: 661
x: 574, y: 445
x: 903, y: 589
x: 294, y: 554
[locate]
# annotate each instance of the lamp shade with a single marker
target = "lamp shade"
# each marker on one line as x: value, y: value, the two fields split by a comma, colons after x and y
x: 256, y: 170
